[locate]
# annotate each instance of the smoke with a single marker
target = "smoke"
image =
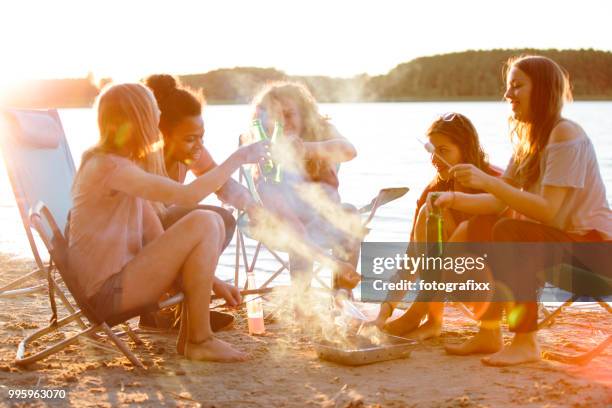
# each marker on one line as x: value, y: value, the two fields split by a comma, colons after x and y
x: 315, y: 316
x: 305, y: 218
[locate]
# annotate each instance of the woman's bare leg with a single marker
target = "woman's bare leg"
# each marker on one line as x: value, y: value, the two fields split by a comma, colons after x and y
x: 190, y: 248
x: 489, y: 337
x: 435, y: 312
x: 412, y: 318
x: 291, y: 234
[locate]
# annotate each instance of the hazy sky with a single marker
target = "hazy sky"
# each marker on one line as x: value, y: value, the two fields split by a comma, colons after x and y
x: 128, y: 39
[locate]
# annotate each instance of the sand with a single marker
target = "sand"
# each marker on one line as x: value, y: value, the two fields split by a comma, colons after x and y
x: 286, y: 372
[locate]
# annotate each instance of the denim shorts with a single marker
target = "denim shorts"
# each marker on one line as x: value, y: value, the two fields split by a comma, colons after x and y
x: 106, y: 302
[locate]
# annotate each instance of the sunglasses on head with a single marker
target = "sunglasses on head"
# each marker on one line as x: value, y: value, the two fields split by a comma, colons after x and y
x: 449, y: 116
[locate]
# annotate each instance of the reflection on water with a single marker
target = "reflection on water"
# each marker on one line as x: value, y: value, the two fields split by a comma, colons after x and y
x: 388, y: 155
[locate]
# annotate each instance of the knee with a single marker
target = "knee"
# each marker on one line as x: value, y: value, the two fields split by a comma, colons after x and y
x: 205, y: 223
x: 422, y: 215
x: 229, y: 222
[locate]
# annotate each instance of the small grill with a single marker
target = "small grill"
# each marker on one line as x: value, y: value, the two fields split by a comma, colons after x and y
x: 359, y: 350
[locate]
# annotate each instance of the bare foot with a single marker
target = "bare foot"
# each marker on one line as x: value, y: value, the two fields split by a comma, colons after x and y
x: 407, y: 322
x: 486, y: 341
x: 214, y: 349
x: 429, y: 329
x: 523, y: 349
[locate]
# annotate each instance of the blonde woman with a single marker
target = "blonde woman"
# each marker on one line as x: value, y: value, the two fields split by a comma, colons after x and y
x: 307, y: 198
x: 124, y: 257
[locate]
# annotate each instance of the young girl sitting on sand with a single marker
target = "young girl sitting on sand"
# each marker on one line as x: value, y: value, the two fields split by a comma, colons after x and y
x: 124, y: 257
x: 553, y: 182
x: 307, y: 197
x: 455, y: 141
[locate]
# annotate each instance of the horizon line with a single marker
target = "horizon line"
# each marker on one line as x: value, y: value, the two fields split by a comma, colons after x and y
x: 98, y: 77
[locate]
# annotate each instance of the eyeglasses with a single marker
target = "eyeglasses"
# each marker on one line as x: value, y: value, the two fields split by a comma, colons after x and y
x: 449, y: 116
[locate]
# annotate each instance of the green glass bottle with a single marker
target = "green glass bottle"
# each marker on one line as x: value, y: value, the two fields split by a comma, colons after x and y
x: 434, y: 233
x: 258, y: 130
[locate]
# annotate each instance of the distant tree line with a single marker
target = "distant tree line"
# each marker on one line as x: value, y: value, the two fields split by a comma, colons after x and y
x: 468, y: 75
x: 479, y: 75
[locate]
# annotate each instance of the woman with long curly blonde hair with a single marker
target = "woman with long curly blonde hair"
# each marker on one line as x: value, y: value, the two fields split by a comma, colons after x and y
x: 307, y: 198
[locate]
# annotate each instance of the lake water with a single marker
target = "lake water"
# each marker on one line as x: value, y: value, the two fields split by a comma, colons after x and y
x: 388, y: 155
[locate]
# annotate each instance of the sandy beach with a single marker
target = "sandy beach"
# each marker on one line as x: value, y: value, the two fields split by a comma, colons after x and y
x: 285, y: 371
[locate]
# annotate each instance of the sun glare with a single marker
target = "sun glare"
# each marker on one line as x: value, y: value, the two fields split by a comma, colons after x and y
x: 203, y: 36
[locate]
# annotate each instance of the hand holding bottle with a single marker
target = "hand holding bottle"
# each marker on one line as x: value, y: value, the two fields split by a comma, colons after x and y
x: 254, y: 152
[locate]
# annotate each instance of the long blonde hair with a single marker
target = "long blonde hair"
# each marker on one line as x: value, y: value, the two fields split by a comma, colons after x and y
x: 269, y: 102
x: 315, y: 127
x: 550, y: 88
x: 128, y: 122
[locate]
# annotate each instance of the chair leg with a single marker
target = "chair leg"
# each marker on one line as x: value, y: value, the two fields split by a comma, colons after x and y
x: 556, y: 312
x: 122, y: 346
x: 132, y: 334
x: 255, y: 255
x: 244, y: 253
x: 604, y: 305
x: 274, y: 275
x: 20, y: 358
x: 9, y: 288
x: 237, y: 260
x: 67, y: 304
x: 581, y: 359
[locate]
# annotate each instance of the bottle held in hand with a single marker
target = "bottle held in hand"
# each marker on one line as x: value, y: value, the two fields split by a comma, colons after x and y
x: 258, y: 131
x: 434, y: 233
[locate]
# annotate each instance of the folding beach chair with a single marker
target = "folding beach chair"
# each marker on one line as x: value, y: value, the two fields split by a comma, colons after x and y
x: 580, y: 283
x: 44, y: 224
x: 383, y: 197
x: 40, y: 168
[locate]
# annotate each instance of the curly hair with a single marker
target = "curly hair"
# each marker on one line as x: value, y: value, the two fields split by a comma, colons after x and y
x: 268, y: 103
x: 175, y: 101
x: 269, y: 106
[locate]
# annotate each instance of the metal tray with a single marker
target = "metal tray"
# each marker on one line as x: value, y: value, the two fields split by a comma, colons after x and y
x: 364, y: 352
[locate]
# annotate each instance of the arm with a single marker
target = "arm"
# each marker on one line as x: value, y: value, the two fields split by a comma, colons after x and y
x: 231, y: 192
x: 482, y: 204
x: 542, y: 207
x: 237, y: 195
x: 500, y: 195
x: 337, y: 150
x: 137, y: 182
